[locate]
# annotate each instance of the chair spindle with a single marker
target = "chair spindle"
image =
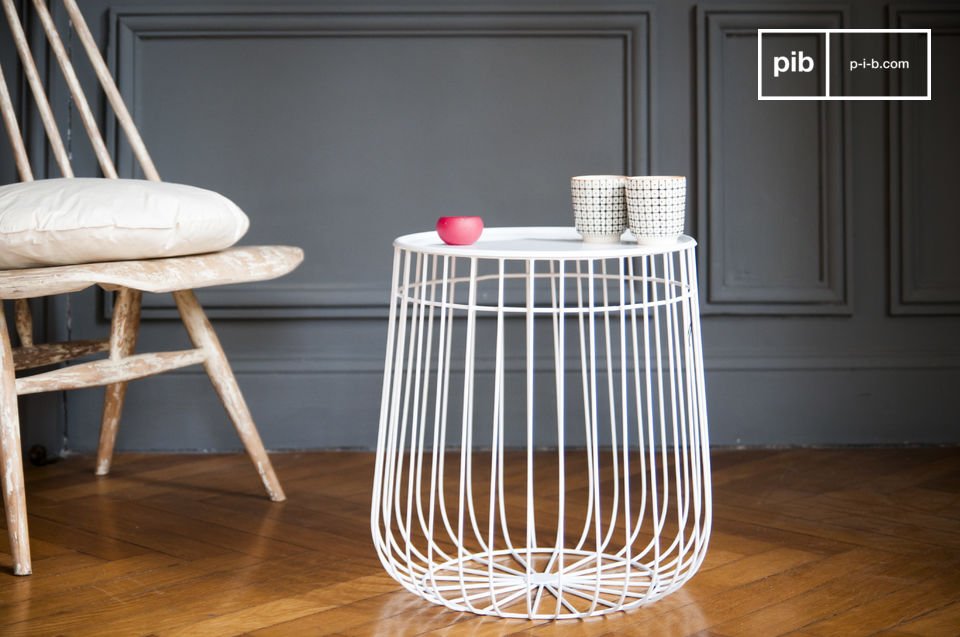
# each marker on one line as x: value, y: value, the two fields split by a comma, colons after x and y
x: 36, y: 88
x: 111, y: 91
x: 20, y: 155
x: 70, y: 75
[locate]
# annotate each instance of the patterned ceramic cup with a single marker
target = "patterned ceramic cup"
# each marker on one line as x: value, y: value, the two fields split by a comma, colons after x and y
x: 656, y: 207
x: 599, y: 207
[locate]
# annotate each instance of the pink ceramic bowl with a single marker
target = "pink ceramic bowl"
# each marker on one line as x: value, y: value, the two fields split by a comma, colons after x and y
x: 459, y: 231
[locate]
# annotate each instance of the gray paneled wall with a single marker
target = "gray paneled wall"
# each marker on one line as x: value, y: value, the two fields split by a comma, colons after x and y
x: 829, y: 268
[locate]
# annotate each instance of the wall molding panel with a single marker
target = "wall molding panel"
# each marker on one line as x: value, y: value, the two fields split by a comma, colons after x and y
x: 130, y: 27
x: 753, y: 266
x: 924, y: 267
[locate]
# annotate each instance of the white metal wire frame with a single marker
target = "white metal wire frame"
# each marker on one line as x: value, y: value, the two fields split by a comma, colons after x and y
x: 618, y: 342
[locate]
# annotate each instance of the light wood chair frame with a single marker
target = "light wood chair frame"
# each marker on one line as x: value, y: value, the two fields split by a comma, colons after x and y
x: 128, y: 279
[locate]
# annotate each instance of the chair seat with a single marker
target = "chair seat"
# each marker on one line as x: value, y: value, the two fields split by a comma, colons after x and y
x: 234, y: 265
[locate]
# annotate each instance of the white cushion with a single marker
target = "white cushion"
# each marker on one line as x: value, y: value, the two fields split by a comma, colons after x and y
x: 68, y: 221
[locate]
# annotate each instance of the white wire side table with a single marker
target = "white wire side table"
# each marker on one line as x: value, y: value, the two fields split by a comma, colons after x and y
x: 543, y: 449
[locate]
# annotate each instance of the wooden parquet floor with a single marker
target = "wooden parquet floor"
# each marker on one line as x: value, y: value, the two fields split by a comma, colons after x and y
x: 811, y: 543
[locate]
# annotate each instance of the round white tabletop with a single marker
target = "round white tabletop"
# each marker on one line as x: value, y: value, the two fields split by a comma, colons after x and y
x: 539, y: 242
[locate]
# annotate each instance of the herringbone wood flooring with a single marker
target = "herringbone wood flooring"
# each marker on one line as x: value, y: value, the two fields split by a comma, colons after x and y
x: 812, y: 543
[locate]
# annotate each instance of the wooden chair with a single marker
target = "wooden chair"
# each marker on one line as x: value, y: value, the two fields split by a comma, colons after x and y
x: 129, y: 279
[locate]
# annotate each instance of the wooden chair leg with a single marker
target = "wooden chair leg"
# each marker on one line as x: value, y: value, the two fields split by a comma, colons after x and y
x: 24, y: 321
x: 123, y: 340
x: 14, y: 495
x: 218, y: 369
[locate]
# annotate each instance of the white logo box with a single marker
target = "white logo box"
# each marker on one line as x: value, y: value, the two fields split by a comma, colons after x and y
x: 827, y: 96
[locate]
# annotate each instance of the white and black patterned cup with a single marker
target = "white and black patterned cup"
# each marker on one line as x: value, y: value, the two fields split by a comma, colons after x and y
x: 656, y: 207
x: 599, y: 207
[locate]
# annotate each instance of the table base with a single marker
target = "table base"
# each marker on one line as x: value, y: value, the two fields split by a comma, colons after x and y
x: 559, y: 584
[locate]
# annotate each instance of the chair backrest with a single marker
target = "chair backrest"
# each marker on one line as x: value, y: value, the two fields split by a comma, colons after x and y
x: 83, y: 106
